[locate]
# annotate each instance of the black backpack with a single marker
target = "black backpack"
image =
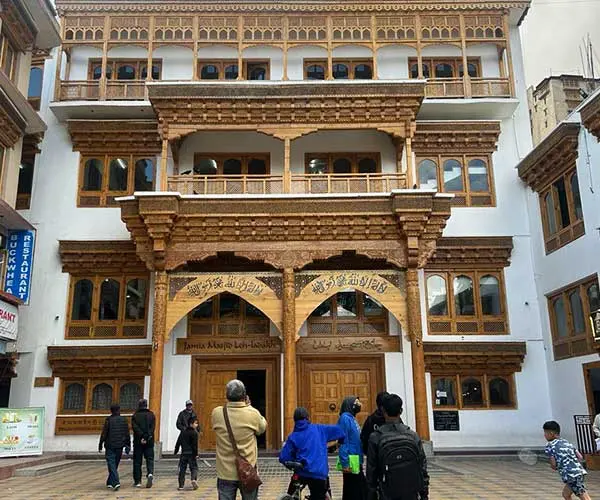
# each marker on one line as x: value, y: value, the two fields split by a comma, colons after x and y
x: 400, y: 463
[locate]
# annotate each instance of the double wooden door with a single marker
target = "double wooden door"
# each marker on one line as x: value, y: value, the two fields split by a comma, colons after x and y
x: 326, y: 382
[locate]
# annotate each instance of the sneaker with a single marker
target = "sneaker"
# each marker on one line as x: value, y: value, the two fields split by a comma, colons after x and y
x: 149, y: 481
x: 109, y: 486
x: 137, y: 485
x: 180, y: 488
x: 117, y: 486
x: 195, y: 484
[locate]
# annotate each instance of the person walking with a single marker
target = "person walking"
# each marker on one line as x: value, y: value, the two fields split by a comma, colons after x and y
x: 185, y: 415
x: 188, y: 442
x: 396, y: 461
x: 143, y: 423
x: 246, y: 424
x: 308, y: 446
x: 350, y: 459
x: 115, y: 436
x: 374, y: 420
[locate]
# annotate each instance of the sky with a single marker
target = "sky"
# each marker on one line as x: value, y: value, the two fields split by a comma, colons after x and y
x: 552, y: 33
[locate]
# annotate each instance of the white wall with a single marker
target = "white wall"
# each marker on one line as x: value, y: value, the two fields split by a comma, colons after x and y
x: 296, y: 56
x: 273, y: 54
x: 392, y: 62
x: 177, y: 62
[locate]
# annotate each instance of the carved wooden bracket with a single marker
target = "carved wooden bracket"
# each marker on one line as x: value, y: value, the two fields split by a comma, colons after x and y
x: 471, y: 253
x: 456, y: 137
x: 91, y: 257
x: 286, y: 133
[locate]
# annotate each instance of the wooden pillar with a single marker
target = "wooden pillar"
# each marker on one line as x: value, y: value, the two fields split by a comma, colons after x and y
x: 159, y: 334
x: 419, y: 49
x: 374, y: 46
x: 57, y: 81
x: 329, y: 48
x: 68, y: 67
x: 103, y: 79
x: 240, y: 48
x: 463, y: 46
x: 289, y: 350
x: 410, y: 167
x: 413, y: 299
x: 510, y: 69
x: 196, y: 47
x: 286, y: 25
x: 287, y: 174
x: 164, y: 156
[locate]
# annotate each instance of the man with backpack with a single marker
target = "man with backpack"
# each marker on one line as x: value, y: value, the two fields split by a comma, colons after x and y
x: 396, y: 462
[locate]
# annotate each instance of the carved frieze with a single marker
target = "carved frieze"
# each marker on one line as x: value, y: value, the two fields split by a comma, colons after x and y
x: 471, y: 253
x: 105, y: 256
x: 115, y: 136
x: 471, y: 358
x: 12, y: 124
x: 17, y: 25
x: 590, y: 116
x: 461, y: 137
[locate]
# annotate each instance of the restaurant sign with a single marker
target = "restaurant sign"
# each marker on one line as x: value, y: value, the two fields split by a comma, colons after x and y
x: 9, y: 321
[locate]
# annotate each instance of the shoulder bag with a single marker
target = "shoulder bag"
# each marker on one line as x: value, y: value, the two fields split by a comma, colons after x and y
x: 247, y: 473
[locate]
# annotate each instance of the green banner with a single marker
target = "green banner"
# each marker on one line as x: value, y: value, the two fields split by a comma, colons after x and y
x: 21, y: 431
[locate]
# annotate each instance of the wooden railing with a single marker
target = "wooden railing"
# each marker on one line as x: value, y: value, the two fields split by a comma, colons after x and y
x: 476, y: 87
x: 79, y: 90
x: 226, y: 184
x: 490, y: 87
x: 125, y: 90
x: 347, y: 183
x: 445, y: 87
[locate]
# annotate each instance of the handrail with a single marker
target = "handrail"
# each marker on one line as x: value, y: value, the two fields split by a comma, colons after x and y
x: 226, y: 184
x: 347, y: 183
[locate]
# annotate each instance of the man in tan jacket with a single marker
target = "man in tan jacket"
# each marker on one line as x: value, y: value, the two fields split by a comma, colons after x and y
x: 246, y: 424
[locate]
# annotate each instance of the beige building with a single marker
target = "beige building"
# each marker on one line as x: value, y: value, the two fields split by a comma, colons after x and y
x: 553, y: 99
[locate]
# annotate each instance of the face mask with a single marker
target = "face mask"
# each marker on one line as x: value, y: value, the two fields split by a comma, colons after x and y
x: 356, y: 409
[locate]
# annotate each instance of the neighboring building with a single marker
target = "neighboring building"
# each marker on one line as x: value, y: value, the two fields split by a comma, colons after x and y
x: 555, y: 98
x: 564, y: 213
x: 28, y: 30
x: 250, y: 190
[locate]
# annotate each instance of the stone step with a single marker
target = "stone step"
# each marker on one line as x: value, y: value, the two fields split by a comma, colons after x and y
x: 43, y: 469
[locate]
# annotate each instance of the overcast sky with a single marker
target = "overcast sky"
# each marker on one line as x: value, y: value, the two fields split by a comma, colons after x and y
x: 552, y: 34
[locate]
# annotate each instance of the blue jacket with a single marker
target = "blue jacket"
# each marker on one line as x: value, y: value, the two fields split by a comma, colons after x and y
x: 352, y: 444
x: 308, y: 445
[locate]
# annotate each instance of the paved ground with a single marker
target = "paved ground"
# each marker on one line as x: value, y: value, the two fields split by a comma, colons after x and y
x: 452, y: 479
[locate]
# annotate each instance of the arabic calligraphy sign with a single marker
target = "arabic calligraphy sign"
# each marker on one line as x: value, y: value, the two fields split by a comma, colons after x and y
x: 225, y: 283
x: 312, y: 345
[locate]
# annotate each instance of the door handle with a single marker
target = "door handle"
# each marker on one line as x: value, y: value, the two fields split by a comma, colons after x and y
x: 332, y: 406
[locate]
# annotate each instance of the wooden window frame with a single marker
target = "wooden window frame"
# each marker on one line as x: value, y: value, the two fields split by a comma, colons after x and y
x: 568, y: 342
x: 576, y: 227
x: 5, y: 44
x: 455, y: 62
x: 244, y: 158
x: 114, y: 64
x: 361, y: 320
x: 221, y: 64
x: 352, y: 63
x: 105, y: 197
x: 257, y: 61
x: 89, y: 384
x: 454, y: 320
x: 95, y: 322
x: 464, y: 198
x: 485, y: 379
x: 332, y: 157
x: 216, y: 323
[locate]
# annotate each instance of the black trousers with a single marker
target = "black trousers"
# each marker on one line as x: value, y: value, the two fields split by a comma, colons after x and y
x: 141, y: 451
x: 184, y: 461
x: 318, y: 487
x: 354, y: 486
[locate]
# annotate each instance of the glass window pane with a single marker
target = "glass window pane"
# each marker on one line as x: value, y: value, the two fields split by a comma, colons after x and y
x: 342, y: 166
x: 231, y: 72
x: 117, y: 180
x: 453, y: 180
x: 473, y: 70
x: 317, y: 166
x: 232, y: 166
x: 563, y: 204
x: 144, y: 175
x: 97, y: 72
x: 444, y: 70
x: 257, y: 72
x: 204, y: 310
x: 437, y: 301
x: 126, y: 72
x: 35, y: 82
x: 25, y: 178
x: 576, y: 197
x: 577, y: 312
x: 346, y: 305
x: 478, y: 176
x: 427, y: 174
x: 463, y: 296
x: 372, y: 307
x: 363, y: 72
x: 102, y: 397
x: 229, y: 306
x: 92, y: 175
x: 593, y: 294
x: 550, y: 213
x: 489, y: 293
x: 445, y: 392
x: 560, y: 318
x: 472, y: 393
x: 414, y: 70
x: 74, y: 399
x: 135, y: 300
x: 82, y: 301
x: 323, y: 310
x: 367, y: 166
x: 209, y: 72
x: 340, y: 72
x: 109, y: 300
x: 499, y: 392
x: 206, y: 166
x: 426, y: 71
x: 155, y: 72
x: 315, y: 72
x: 257, y: 166
x: 129, y: 396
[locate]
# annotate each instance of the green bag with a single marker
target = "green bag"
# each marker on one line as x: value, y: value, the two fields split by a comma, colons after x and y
x: 354, y: 462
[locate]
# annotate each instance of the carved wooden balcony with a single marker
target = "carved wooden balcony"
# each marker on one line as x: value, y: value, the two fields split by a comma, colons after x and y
x: 475, y: 87
x: 93, y: 90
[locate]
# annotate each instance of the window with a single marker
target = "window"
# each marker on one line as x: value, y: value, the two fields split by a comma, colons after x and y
x: 218, y: 70
x: 124, y: 69
x: 34, y: 93
x: 210, y: 164
x: 570, y: 310
x: 105, y: 177
x: 342, y: 69
x: 8, y: 57
x: 94, y: 395
x: 227, y: 315
x: 466, y: 303
x: 349, y: 313
x: 562, y: 213
x: 256, y: 70
x: 468, y: 178
x: 343, y: 163
x: 106, y: 307
x: 475, y: 392
x: 441, y: 67
x: 25, y: 183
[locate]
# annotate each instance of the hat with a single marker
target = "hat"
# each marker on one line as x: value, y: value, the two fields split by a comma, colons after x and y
x: 189, y: 402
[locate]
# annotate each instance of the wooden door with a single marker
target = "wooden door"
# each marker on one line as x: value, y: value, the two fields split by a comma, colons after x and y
x: 325, y: 390
x: 211, y: 396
